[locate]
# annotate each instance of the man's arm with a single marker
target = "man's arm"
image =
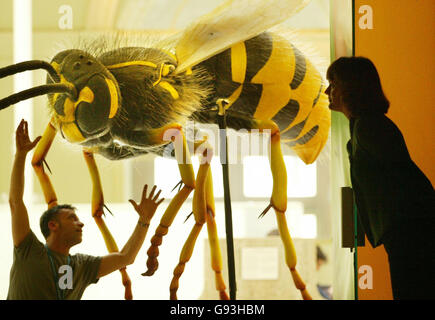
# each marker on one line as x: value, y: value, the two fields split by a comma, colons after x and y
x: 20, y: 219
x: 146, y: 209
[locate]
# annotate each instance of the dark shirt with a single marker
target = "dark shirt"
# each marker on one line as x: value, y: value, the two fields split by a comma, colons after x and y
x: 31, y: 277
x: 390, y: 190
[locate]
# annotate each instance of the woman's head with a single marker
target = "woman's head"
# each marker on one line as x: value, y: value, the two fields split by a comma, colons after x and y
x: 357, y: 85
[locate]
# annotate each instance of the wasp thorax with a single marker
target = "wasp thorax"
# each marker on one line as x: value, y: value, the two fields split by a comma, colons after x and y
x: 78, y: 67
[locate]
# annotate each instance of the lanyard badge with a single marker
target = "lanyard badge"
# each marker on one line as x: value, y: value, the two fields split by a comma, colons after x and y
x: 59, y: 292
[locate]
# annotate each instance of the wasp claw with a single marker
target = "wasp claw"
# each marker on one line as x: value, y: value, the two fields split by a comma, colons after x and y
x: 265, y: 211
x: 188, y: 217
x: 179, y: 184
x: 46, y: 164
x: 107, y: 209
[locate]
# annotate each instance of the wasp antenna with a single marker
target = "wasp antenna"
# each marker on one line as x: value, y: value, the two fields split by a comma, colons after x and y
x: 46, y: 164
x: 107, y: 209
x: 188, y: 217
x: 38, y: 91
x: 30, y: 65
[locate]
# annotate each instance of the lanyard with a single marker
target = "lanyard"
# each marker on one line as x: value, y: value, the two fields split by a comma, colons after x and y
x: 60, y: 293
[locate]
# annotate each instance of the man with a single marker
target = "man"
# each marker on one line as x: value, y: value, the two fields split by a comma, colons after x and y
x: 48, y: 271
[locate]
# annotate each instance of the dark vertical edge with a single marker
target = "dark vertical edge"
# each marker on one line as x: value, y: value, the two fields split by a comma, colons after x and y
x: 228, y: 212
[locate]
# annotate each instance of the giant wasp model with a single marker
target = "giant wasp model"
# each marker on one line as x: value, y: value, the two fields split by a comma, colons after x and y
x: 125, y: 101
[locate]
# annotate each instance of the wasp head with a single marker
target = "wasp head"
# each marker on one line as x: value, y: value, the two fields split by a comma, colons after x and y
x: 86, y: 114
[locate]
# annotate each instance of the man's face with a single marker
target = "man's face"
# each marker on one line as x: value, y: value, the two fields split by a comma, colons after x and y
x: 69, y: 227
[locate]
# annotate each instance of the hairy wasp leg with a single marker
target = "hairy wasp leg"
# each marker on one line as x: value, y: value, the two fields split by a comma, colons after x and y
x: 215, y: 251
x: 38, y: 165
x: 162, y: 229
x: 97, y: 213
x: 182, y: 155
x: 279, y: 201
x: 199, y: 211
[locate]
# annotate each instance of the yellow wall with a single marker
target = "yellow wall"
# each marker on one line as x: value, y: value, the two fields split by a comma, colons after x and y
x: 401, y: 44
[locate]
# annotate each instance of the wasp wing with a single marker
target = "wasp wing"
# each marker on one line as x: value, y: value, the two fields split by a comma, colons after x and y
x: 232, y: 22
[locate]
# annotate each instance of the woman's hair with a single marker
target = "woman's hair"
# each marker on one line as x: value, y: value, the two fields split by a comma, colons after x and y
x: 360, y: 84
x: 50, y: 215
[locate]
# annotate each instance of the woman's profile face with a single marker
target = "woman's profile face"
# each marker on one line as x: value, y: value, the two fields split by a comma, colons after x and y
x: 334, y: 92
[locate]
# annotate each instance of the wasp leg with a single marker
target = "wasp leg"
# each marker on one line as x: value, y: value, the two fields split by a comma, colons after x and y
x: 38, y: 165
x: 279, y: 201
x: 215, y: 251
x: 187, y: 177
x: 199, y: 211
x: 165, y: 222
x: 97, y: 213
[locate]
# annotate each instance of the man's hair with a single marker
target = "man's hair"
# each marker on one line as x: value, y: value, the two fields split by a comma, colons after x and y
x: 50, y: 215
x: 360, y: 84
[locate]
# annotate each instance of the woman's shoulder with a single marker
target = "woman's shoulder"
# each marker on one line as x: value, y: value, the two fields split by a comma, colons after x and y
x: 375, y: 124
x: 378, y: 129
x: 380, y: 136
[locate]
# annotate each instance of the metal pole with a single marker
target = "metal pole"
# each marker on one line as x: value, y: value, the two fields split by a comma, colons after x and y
x: 227, y: 199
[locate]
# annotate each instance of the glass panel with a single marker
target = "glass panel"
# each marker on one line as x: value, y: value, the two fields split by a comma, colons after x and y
x: 62, y: 24
x: 257, y: 178
x: 167, y: 175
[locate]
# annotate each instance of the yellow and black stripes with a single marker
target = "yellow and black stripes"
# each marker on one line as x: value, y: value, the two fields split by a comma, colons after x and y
x: 262, y: 45
x: 300, y: 68
x: 268, y: 78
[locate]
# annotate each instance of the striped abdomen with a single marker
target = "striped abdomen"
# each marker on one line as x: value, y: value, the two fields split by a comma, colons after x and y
x: 265, y: 78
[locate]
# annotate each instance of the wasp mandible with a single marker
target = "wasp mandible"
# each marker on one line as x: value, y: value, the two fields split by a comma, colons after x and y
x: 120, y: 102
